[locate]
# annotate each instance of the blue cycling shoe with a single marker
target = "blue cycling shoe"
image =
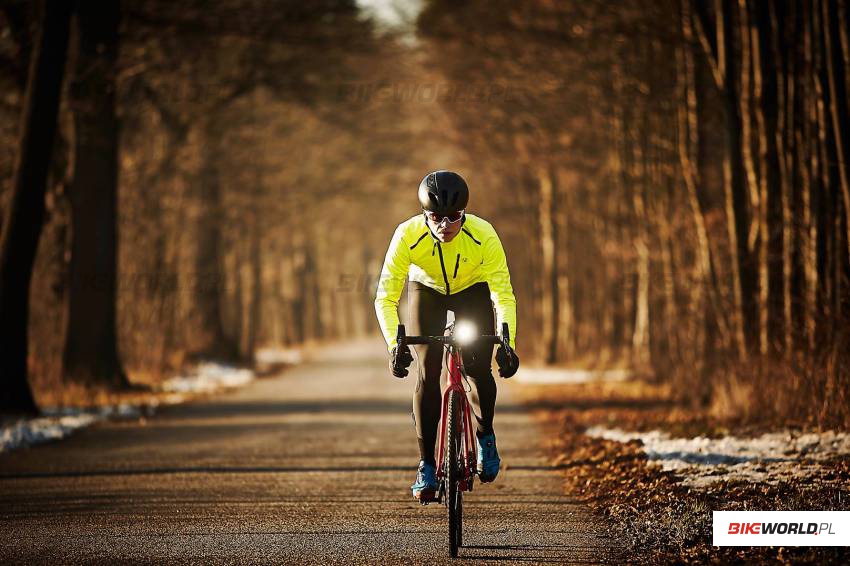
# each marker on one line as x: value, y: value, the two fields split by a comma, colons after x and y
x: 488, y: 458
x: 425, y: 486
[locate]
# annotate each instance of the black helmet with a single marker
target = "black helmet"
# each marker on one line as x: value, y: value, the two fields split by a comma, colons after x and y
x: 443, y: 192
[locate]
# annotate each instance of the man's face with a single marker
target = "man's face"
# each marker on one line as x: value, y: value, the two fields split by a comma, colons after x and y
x: 444, y: 230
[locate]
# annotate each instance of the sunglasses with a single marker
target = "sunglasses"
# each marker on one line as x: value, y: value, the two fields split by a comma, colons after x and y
x: 451, y: 217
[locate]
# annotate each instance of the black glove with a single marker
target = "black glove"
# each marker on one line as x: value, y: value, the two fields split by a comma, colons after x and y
x: 400, y: 359
x: 508, y: 361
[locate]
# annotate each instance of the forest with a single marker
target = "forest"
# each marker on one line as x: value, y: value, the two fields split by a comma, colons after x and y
x: 193, y: 181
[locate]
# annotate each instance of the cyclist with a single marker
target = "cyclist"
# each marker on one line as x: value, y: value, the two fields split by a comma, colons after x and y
x: 454, y: 261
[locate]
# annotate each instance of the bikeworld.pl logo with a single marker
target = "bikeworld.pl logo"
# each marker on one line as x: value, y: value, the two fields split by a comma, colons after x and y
x: 781, y: 528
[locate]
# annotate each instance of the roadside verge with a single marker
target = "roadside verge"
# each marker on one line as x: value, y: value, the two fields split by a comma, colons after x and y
x: 208, y: 378
x: 656, y: 470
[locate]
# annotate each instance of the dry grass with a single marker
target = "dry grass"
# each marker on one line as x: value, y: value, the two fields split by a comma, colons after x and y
x: 807, y: 389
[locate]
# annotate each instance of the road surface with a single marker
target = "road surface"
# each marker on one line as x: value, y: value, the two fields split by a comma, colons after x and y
x: 310, y: 466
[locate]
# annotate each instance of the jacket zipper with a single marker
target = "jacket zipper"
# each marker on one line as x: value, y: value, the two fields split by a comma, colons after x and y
x: 443, y: 267
x: 457, y: 264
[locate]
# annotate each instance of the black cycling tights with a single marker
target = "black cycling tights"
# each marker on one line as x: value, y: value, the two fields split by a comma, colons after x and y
x: 429, y: 309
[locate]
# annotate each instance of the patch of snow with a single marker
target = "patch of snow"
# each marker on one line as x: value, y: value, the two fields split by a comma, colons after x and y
x: 123, y: 410
x: 208, y: 378
x: 551, y: 375
x: 26, y: 432
x: 397, y: 16
x: 768, y: 458
x: 58, y: 422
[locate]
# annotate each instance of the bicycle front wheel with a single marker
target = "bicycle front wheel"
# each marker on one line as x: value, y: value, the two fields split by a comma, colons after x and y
x: 454, y: 466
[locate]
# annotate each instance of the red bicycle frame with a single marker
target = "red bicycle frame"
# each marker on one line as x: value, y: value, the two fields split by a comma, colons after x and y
x: 454, y: 383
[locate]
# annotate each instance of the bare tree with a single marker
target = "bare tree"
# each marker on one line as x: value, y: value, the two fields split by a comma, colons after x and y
x: 25, y: 216
x: 91, y: 341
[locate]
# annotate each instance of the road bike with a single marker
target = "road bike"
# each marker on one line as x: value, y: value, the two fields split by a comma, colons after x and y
x: 456, y: 452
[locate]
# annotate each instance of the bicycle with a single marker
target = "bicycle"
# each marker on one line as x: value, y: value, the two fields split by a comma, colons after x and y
x: 456, y: 448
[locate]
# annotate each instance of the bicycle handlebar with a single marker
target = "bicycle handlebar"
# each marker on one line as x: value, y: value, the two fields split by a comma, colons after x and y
x: 403, y: 339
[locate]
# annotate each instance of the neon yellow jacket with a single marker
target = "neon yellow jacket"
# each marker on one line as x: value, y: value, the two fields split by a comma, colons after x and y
x: 473, y: 256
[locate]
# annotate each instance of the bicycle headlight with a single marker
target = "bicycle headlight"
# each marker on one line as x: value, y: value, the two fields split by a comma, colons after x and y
x: 465, y: 332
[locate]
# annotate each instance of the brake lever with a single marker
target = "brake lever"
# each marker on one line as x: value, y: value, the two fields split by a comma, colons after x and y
x: 506, y: 338
x: 506, y: 342
x: 401, y: 336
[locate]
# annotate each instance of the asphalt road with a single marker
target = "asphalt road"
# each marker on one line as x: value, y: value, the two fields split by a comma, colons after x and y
x: 310, y: 466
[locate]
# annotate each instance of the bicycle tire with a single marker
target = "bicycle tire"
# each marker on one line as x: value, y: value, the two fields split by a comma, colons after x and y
x: 453, y: 467
x: 459, y: 522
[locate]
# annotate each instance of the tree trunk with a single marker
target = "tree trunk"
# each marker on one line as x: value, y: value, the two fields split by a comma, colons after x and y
x: 308, y: 304
x: 822, y: 199
x: 619, y: 309
x: 210, y: 339
x: 640, y: 330
x: 808, y: 158
x: 838, y: 99
x: 23, y: 226
x: 771, y: 178
x: 324, y: 303
x: 566, y: 332
x: 254, y: 310
x: 286, y: 278
x: 786, y: 31
x: 548, y: 237
x: 706, y: 299
x: 749, y: 206
x: 91, y: 341
x: 721, y: 54
x: 237, y: 303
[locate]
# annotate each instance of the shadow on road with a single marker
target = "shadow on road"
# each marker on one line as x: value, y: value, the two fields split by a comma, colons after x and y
x: 372, y: 406
x: 234, y: 470
x: 205, y: 470
x: 536, y: 553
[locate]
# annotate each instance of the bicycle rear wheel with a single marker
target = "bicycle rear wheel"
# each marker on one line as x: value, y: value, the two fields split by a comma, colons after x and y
x: 454, y: 467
